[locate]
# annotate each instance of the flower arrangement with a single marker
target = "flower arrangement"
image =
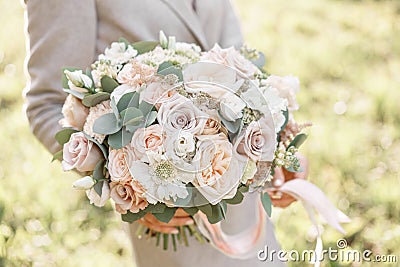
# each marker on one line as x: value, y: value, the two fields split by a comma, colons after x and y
x: 157, y: 126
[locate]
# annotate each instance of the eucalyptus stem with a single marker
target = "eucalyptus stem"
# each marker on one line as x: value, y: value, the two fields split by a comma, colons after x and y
x: 184, y: 237
x: 196, y: 234
x: 165, y: 241
x: 173, y: 242
x: 139, y: 231
x: 158, y: 236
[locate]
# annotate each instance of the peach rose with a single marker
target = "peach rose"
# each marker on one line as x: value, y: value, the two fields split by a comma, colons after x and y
x: 95, y: 113
x: 74, y: 113
x: 211, y: 127
x: 147, y: 139
x: 118, y: 163
x: 136, y: 74
x: 219, y: 171
x: 80, y: 154
x: 128, y: 195
x: 258, y: 142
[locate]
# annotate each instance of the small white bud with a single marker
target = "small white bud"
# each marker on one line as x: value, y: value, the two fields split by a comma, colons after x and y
x: 84, y: 183
x: 163, y: 40
x: 172, y: 43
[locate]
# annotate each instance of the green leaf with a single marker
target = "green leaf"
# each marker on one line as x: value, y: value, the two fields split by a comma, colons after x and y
x: 98, y: 170
x: 191, y: 210
x: 172, y: 70
x: 157, y: 208
x: 206, y: 209
x: 237, y: 199
x: 232, y: 126
x: 64, y: 77
x: 164, y: 65
x: 133, y: 128
x: 131, y: 116
x: 120, y: 139
x: 114, y: 108
x: 123, y: 40
x: 166, y: 216
x: 151, y: 118
x: 98, y: 187
x: 64, y: 135
x: 243, y: 189
x: 131, y: 217
x: 108, y: 84
x: 93, y: 100
x: 145, y: 107
x: 102, y: 147
x: 224, y: 207
x: 58, y: 156
x: 145, y: 46
x: 106, y: 124
x: 266, y: 202
x: 286, y: 114
x: 75, y: 93
x: 298, y: 140
x: 129, y: 100
x: 216, y: 214
x: 260, y: 61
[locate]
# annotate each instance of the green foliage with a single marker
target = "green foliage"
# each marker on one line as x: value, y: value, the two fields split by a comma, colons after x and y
x: 108, y: 84
x: 144, y: 46
x: 298, y: 140
x: 64, y: 135
x: 266, y: 203
x: 92, y: 100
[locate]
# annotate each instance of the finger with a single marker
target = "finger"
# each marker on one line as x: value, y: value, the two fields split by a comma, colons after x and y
x: 181, y: 213
x: 279, y: 177
x: 283, y: 202
x: 159, y: 228
x: 175, y: 221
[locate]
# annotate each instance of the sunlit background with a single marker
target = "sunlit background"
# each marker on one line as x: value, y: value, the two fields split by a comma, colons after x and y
x: 347, y: 56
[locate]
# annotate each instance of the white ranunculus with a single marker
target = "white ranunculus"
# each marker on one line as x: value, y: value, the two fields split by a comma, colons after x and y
x: 231, y: 106
x: 118, y: 53
x: 77, y: 81
x: 180, y: 114
x: 83, y: 183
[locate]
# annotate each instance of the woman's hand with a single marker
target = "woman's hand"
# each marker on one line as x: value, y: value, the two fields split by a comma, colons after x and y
x: 279, y: 199
x: 180, y: 218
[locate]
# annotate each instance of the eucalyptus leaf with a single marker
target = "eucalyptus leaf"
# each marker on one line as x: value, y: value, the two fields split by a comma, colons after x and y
x: 224, y: 207
x: 123, y: 40
x: 266, y: 203
x: 106, y: 124
x: 75, y: 93
x: 151, y: 118
x: 93, y: 100
x: 244, y: 189
x: 286, y: 114
x: 166, y: 216
x: 216, y: 214
x: 206, y: 209
x: 98, y: 170
x: 156, y: 208
x: 133, y: 128
x: 114, y: 107
x: 98, y: 187
x: 124, y: 101
x: 298, y: 140
x: 120, y: 139
x: 145, y: 46
x: 131, y: 217
x: 131, y: 115
x: 164, y: 65
x: 172, y: 70
x: 108, y: 84
x: 145, y: 107
x: 237, y: 199
x: 232, y: 127
x: 102, y: 147
x: 58, y: 156
x: 64, y: 135
x: 191, y: 210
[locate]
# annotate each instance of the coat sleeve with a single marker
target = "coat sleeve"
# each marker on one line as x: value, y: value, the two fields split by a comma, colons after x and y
x: 232, y: 33
x: 59, y: 34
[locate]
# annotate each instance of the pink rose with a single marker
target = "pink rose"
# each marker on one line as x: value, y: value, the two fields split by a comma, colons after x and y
x: 80, y: 154
x: 74, y: 112
x: 95, y: 113
x: 128, y: 195
x: 232, y: 58
x: 258, y: 142
x: 118, y: 163
x: 147, y: 139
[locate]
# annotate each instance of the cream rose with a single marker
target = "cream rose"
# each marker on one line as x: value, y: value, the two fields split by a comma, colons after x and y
x: 181, y: 114
x: 147, y: 139
x: 80, y: 154
x: 128, y: 196
x: 74, y: 113
x: 258, y: 142
x: 287, y: 88
x: 157, y: 92
x: 232, y: 58
x: 219, y: 172
x: 95, y: 113
x: 118, y: 163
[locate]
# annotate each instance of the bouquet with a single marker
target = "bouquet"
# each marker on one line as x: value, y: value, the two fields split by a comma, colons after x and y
x: 157, y: 126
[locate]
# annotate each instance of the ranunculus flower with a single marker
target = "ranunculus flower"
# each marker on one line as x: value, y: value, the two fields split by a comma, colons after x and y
x: 80, y: 154
x: 258, y: 142
x: 180, y: 114
x: 74, y: 113
x: 95, y: 113
x: 232, y: 58
x: 128, y: 195
x: 147, y: 139
x: 219, y: 172
x: 118, y: 163
x: 287, y: 88
x: 136, y: 74
x: 97, y: 200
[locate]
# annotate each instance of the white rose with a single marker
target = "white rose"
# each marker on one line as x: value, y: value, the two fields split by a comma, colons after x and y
x: 97, y: 200
x: 287, y: 88
x: 181, y: 114
x: 231, y: 106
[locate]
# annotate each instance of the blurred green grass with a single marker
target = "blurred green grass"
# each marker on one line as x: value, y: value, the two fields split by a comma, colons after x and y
x: 347, y: 56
